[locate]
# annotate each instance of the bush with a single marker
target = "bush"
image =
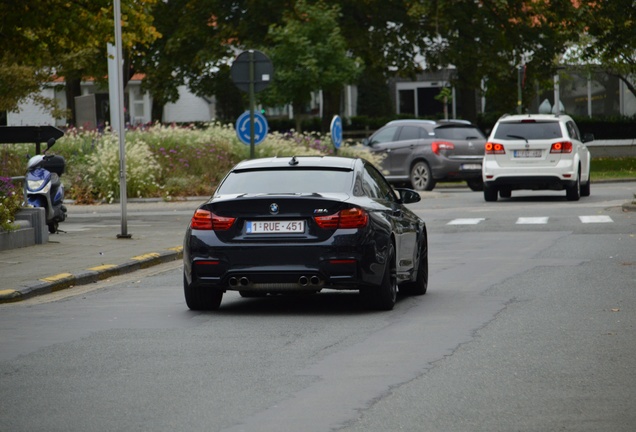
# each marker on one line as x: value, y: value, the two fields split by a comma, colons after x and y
x: 10, y: 203
x: 169, y: 161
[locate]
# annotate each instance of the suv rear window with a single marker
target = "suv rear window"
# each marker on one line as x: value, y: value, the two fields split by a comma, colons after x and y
x: 458, y: 133
x: 287, y: 181
x: 529, y: 130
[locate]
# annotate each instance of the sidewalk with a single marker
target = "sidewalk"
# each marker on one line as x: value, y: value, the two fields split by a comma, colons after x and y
x: 89, y: 250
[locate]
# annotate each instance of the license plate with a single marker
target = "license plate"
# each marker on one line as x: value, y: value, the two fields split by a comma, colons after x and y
x: 527, y: 153
x: 275, y: 227
x: 471, y: 167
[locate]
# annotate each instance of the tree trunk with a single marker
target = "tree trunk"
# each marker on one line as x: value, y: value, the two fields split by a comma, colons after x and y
x: 298, y: 115
x: 330, y: 107
x: 156, y: 113
x: 72, y: 89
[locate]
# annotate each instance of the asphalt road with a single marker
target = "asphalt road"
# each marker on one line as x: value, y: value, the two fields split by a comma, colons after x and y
x: 528, y: 325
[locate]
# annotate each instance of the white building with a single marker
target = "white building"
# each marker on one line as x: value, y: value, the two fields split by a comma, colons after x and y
x: 94, y: 107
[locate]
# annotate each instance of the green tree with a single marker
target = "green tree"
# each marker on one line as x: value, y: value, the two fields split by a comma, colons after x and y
x: 491, y: 39
x: 63, y: 38
x: 309, y: 54
x: 191, y: 51
x: 612, y: 42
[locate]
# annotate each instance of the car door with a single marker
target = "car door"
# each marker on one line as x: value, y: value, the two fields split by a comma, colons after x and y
x: 400, y: 151
x: 404, y: 227
x: 380, y: 140
x: 579, y: 148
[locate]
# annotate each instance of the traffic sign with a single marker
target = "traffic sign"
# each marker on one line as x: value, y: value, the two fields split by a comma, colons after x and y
x: 336, y: 131
x: 261, y: 75
x: 243, y: 128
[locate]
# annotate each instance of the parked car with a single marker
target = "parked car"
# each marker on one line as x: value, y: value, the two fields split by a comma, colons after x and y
x: 424, y: 152
x: 280, y: 225
x: 536, y: 152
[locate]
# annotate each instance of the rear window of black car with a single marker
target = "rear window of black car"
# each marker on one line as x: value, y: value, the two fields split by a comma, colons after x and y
x: 458, y: 133
x: 529, y: 130
x: 287, y: 181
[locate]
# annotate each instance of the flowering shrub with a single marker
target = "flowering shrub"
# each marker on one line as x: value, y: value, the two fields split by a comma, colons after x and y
x: 166, y: 161
x: 10, y: 203
x: 103, y: 169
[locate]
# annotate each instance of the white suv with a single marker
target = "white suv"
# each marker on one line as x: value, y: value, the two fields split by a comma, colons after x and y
x: 536, y: 152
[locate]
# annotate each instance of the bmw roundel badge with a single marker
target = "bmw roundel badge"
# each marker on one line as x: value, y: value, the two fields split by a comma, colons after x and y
x: 273, y: 208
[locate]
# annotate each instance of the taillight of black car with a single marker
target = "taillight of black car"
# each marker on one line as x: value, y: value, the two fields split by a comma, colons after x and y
x: 206, y: 220
x: 348, y: 218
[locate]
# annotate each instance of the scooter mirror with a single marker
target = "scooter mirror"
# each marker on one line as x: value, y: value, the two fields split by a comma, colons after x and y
x: 49, y: 144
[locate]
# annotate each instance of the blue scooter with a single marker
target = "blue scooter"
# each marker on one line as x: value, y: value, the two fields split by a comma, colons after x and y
x: 43, y: 187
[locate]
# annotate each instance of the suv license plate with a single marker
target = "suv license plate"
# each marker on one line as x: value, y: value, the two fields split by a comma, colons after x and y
x: 275, y: 227
x: 470, y: 167
x: 527, y: 153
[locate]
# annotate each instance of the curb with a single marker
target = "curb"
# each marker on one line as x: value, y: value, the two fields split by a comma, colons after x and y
x: 92, y: 275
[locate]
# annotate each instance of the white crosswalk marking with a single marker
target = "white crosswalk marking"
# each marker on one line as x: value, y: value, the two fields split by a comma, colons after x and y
x: 532, y: 220
x: 467, y: 221
x: 596, y: 219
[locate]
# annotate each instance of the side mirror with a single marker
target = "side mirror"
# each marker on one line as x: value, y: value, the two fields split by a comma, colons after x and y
x: 408, y: 196
x: 366, y: 142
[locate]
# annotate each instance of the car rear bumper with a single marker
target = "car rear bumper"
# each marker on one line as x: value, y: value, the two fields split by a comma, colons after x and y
x: 457, y: 168
x: 530, y: 182
x: 556, y: 177
x: 282, y: 266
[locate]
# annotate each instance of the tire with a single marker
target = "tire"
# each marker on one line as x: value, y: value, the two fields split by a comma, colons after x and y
x: 422, y: 177
x: 585, y: 188
x: 384, y: 296
x: 490, y: 193
x: 475, y: 185
x: 573, y: 193
x: 53, y: 227
x: 198, y: 298
x: 420, y: 284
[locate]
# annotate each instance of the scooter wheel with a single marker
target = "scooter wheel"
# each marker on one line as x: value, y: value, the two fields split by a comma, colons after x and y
x: 53, y: 227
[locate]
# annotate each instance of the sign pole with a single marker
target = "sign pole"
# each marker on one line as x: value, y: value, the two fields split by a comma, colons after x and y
x: 121, y: 132
x: 252, y: 103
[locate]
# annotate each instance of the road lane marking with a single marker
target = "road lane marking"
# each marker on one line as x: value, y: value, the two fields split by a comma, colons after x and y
x: 467, y: 221
x: 596, y: 219
x: 532, y: 220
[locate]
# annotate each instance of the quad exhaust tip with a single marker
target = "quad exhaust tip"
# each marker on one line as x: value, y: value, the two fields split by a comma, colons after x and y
x: 313, y: 280
x: 302, y: 281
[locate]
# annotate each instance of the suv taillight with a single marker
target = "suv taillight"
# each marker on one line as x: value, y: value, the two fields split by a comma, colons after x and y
x: 561, y: 147
x: 436, y: 146
x: 206, y: 220
x: 347, y: 218
x: 494, y: 148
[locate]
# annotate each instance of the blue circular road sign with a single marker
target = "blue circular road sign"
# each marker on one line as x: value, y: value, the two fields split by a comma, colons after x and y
x: 243, y: 128
x: 336, y: 131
